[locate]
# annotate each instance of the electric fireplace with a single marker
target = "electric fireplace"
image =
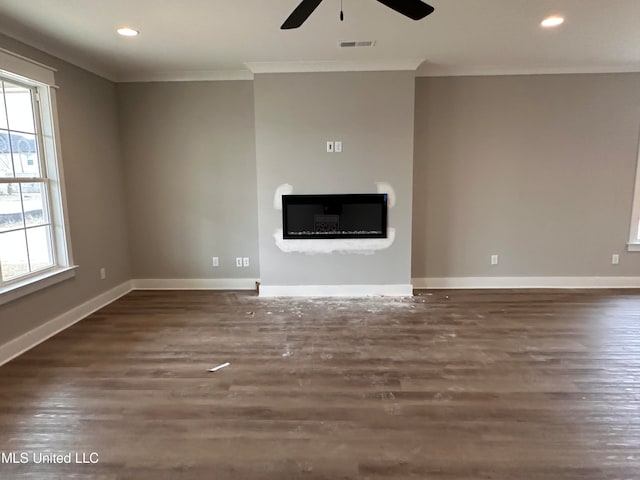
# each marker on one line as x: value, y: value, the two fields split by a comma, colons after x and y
x: 351, y: 215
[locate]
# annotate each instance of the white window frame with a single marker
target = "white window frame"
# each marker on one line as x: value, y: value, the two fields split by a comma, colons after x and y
x: 22, y: 70
x: 634, y: 230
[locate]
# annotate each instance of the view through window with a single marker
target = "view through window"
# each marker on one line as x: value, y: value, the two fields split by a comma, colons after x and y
x: 26, y: 240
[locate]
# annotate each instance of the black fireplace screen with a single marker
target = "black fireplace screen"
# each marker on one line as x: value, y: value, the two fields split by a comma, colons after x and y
x: 351, y: 215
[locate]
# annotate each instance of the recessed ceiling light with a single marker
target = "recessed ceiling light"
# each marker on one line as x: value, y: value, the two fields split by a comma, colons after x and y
x: 553, y: 21
x: 128, y: 32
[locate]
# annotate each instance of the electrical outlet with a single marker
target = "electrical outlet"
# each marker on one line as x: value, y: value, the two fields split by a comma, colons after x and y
x: 337, y: 147
x: 215, y: 261
x: 494, y: 259
x: 245, y: 261
x: 238, y: 261
x: 329, y: 147
x: 103, y: 273
x: 615, y: 259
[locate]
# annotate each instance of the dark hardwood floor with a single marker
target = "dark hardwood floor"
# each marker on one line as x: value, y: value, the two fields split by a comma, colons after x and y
x: 463, y: 385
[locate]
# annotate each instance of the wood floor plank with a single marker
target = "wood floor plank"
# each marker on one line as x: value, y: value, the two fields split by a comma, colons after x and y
x: 452, y: 385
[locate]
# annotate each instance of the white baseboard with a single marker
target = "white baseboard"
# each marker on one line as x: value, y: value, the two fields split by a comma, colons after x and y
x: 335, y: 290
x: 194, y: 284
x: 526, y: 282
x: 30, y: 339
x: 27, y: 341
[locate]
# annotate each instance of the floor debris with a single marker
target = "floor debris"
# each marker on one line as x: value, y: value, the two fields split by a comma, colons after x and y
x: 219, y: 367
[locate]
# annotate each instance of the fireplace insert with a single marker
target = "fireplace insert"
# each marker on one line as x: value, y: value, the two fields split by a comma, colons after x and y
x: 352, y: 215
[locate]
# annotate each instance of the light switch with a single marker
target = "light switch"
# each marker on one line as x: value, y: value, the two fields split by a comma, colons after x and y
x: 329, y: 147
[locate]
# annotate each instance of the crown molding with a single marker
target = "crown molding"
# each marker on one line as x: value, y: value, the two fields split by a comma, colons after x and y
x: 432, y: 70
x: 35, y: 41
x: 422, y: 68
x: 187, y: 76
x: 69, y: 56
x: 333, y: 66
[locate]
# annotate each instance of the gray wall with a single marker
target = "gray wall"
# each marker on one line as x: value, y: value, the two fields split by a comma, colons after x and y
x: 95, y: 196
x: 189, y: 150
x: 372, y: 113
x: 537, y: 169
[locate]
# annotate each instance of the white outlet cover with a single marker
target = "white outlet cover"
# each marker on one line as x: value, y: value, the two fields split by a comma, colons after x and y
x: 245, y: 261
x: 337, y: 147
x: 215, y: 261
x: 238, y: 261
x: 494, y: 259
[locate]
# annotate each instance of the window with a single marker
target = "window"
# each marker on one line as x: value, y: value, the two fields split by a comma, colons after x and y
x: 33, y: 236
x: 634, y: 230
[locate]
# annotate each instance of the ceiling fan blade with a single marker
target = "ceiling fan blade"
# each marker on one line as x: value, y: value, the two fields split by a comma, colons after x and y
x: 414, y: 9
x: 300, y: 14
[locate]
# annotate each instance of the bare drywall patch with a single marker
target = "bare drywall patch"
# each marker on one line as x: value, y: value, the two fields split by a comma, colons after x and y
x: 284, y: 189
x: 384, y: 187
x: 360, y: 246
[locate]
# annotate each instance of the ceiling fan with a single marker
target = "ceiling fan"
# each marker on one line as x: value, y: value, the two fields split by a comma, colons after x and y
x: 414, y: 9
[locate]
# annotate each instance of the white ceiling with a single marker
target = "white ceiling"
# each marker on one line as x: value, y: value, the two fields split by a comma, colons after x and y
x: 209, y: 39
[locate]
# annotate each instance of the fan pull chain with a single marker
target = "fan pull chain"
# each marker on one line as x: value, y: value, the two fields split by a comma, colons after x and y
x: 341, y: 12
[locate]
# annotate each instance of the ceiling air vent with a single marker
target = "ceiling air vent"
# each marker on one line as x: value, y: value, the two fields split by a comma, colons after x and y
x: 366, y: 43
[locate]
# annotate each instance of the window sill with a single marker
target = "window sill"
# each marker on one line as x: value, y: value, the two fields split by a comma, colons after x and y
x: 33, y: 284
x: 633, y: 247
